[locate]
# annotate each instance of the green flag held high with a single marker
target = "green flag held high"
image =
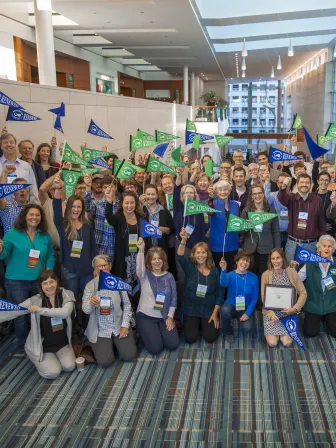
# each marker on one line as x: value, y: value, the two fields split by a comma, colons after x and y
x: 192, y: 207
x: 190, y: 126
x: 297, y: 122
x: 139, y: 143
x: 236, y: 224
x: 145, y: 136
x: 69, y: 155
x: 222, y: 140
x: 127, y: 170
x: 196, y: 142
x: 175, y: 158
x: 156, y: 166
x: 91, y: 154
x: 162, y: 137
x: 321, y: 139
x: 209, y: 167
x: 257, y: 218
x: 70, y: 179
x: 86, y: 171
x: 331, y: 132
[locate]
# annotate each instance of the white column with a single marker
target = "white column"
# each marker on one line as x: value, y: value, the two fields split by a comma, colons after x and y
x: 197, y: 90
x: 45, y: 42
x: 185, y: 85
x: 192, y: 89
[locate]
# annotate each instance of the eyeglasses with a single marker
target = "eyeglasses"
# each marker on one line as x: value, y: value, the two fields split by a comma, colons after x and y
x: 102, y: 266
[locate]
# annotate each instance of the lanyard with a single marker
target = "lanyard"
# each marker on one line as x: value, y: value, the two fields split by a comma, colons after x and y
x: 308, y: 207
x: 237, y: 276
x: 206, y: 278
x: 132, y: 225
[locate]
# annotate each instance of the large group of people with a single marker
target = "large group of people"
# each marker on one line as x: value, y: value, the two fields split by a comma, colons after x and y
x: 196, y: 279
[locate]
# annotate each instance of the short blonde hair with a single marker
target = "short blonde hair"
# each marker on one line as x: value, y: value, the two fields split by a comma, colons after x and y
x: 183, y: 189
x: 104, y: 257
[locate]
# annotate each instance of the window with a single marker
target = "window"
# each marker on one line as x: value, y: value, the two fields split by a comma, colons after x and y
x: 244, y: 131
x: 272, y: 110
x: 254, y: 110
x: 235, y: 110
x: 271, y: 99
x: 235, y: 99
x: 271, y: 122
x: 262, y: 99
x: 262, y: 131
x: 254, y: 99
x: 245, y: 110
x: 245, y: 86
x: 254, y: 122
x: 235, y: 87
x: 235, y: 131
x: 262, y: 122
x: 244, y: 121
x: 244, y: 99
x: 235, y: 122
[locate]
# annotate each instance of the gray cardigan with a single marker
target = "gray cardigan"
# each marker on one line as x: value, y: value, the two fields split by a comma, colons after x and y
x: 33, y: 346
x: 269, y: 237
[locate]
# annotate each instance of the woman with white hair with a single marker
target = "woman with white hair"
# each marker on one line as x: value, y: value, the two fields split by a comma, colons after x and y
x: 320, y: 283
x: 222, y: 243
x: 109, y: 323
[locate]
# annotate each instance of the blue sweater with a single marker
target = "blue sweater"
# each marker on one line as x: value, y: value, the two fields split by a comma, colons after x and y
x: 236, y: 286
x: 195, y: 220
x: 218, y: 226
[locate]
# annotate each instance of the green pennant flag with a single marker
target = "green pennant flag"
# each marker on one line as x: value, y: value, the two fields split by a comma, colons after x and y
x: 216, y: 165
x: 70, y: 179
x: 236, y: 224
x: 222, y: 140
x: 170, y: 201
x: 139, y: 143
x: 156, y: 166
x: 127, y: 170
x: 91, y: 154
x: 297, y: 122
x: 331, y: 132
x: 162, y: 137
x: 190, y: 126
x: 192, y: 207
x: 145, y: 136
x: 257, y: 218
x: 196, y: 142
x: 175, y: 158
x: 69, y: 155
x: 321, y: 139
x: 86, y: 171
x: 209, y: 167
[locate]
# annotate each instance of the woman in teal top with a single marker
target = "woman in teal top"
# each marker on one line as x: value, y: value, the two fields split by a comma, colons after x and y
x: 28, y: 250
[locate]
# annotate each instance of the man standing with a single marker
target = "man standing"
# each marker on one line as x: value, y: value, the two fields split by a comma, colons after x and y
x: 306, y: 217
x: 26, y: 149
x: 238, y: 159
x: 239, y: 191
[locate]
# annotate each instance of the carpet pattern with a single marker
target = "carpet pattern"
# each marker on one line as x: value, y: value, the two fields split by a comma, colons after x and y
x: 244, y: 395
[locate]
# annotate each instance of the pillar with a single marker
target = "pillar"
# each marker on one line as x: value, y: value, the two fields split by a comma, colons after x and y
x: 45, y: 42
x: 192, y: 89
x: 279, y: 111
x: 197, y: 90
x: 185, y: 85
x: 249, y: 110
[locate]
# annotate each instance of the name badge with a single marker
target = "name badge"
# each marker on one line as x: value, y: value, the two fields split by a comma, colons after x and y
x: 240, y: 303
x: 11, y: 177
x: 159, y: 300
x: 283, y: 214
x: 189, y: 229
x: 105, y: 306
x: 259, y: 228
x: 56, y: 324
x: 76, y: 249
x: 329, y: 282
x: 33, y: 258
x: 132, y: 242
x: 201, y: 290
x: 155, y: 223
x: 302, y: 220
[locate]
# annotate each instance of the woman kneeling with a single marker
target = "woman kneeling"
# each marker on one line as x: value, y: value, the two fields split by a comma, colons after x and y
x: 155, y: 314
x: 48, y: 344
x: 109, y: 324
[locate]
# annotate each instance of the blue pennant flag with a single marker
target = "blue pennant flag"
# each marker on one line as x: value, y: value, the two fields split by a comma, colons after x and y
x: 161, y: 149
x: 100, y: 162
x: 15, y: 114
x: 190, y: 135
x: 148, y: 230
x: 96, y: 130
x: 277, y: 155
x: 6, y: 305
x: 58, y: 110
x: 315, y: 150
x: 291, y: 325
x: 304, y: 255
x: 112, y: 283
x: 7, y: 189
x: 58, y: 124
x: 6, y: 101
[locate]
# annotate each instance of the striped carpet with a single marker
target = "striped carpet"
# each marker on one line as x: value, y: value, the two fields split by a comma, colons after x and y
x: 244, y: 395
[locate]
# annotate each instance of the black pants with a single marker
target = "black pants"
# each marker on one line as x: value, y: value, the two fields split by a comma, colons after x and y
x: 192, y: 329
x: 228, y: 257
x: 311, y: 324
x: 259, y: 267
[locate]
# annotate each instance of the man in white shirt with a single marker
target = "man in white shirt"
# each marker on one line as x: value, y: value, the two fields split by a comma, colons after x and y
x: 22, y: 168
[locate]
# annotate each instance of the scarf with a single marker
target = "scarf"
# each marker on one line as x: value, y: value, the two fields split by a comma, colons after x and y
x: 158, y: 283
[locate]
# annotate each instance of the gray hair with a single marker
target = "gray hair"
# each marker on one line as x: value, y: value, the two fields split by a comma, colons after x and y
x: 106, y: 259
x: 222, y: 184
x: 325, y: 238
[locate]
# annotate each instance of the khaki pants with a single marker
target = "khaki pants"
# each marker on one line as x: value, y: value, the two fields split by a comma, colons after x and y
x: 52, y: 364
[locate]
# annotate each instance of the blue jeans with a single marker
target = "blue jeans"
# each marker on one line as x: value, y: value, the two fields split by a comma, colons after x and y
x: 292, y: 245
x: 17, y: 292
x: 227, y: 313
x: 154, y: 334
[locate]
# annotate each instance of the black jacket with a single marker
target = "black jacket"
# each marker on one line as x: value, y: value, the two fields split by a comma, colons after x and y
x: 165, y: 220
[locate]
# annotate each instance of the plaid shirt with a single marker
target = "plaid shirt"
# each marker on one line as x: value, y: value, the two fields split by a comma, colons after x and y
x: 104, y: 233
x: 9, y: 214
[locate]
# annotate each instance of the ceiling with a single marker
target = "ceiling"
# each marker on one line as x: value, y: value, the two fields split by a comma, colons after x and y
x: 158, y: 36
